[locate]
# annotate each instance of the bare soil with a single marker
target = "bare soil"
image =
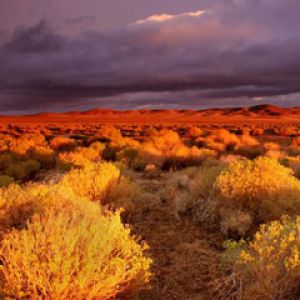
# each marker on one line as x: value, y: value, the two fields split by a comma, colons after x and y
x: 182, y: 252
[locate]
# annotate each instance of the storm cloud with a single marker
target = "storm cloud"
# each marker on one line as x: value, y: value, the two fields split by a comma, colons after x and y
x: 233, y: 53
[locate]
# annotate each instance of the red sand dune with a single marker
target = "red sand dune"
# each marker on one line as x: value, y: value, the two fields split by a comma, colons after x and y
x: 260, y: 113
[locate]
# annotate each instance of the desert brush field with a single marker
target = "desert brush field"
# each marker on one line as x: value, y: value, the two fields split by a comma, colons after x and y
x: 186, y: 205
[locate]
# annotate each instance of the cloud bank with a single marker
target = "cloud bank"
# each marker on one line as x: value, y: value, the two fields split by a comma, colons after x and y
x: 232, y: 53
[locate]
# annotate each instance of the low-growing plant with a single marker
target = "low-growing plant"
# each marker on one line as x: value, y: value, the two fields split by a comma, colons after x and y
x: 80, y: 156
x: 62, y: 143
x: 71, y: 250
x: 269, y: 268
x: 262, y: 187
x: 167, y: 151
x: 95, y: 181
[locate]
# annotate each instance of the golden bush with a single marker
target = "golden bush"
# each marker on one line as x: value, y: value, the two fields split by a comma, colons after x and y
x: 276, y: 154
x: 221, y: 140
x: 194, y: 132
x: 81, y: 156
x: 62, y: 143
x: 247, y: 140
x: 263, y: 187
x: 25, y: 143
x: 269, y: 268
x: 18, y: 204
x: 95, y: 181
x: 71, y: 250
x: 271, y: 146
x: 110, y: 132
x: 166, y: 150
x: 43, y: 154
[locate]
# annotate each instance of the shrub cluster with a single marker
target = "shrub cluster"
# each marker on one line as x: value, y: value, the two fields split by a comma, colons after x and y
x: 262, y: 188
x: 57, y: 243
x: 166, y: 150
x: 269, y: 267
x: 222, y: 140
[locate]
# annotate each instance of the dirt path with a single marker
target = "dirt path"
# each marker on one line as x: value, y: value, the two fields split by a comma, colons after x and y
x: 182, y: 253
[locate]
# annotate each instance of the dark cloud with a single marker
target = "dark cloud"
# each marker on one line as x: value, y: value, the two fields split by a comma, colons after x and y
x: 241, y: 49
x: 34, y: 40
x: 82, y: 20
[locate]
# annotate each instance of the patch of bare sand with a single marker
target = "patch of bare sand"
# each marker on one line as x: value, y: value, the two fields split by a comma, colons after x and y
x: 183, y: 254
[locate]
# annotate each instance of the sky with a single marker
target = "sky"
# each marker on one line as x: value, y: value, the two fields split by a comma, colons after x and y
x: 62, y: 55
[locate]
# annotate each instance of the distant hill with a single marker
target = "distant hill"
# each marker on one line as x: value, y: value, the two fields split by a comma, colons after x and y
x: 263, y: 112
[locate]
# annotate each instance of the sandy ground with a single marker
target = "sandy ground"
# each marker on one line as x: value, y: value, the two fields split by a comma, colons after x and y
x: 182, y: 252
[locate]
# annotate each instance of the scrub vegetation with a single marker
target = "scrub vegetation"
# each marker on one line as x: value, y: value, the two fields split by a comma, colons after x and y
x: 92, y: 211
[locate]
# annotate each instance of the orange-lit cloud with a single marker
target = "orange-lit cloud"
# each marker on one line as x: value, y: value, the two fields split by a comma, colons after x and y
x: 167, y: 17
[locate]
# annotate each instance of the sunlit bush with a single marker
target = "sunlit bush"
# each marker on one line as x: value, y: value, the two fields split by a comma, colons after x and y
x: 261, y: 187
x: 166, y: 150
x: 25, y: 143
x: 221, y: 140
x: 71, y: 250
x: 81, y: 156
x: 110, y: 132
x: 94, y: 181
x: 271, y: 146
x: 270, y: 267
x: 62, y: 143
x: 194, y: 132
x: 44, y: 154
x: 276, y: 154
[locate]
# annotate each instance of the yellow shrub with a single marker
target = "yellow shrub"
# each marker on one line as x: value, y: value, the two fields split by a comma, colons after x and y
x: 194, y: 132
x: 166, y: 150
x: 24, y: 144
x: 18, y: 204
x: 270, y: 266
x: 248, y: 141
x: 221, y: 140
x: 81, y: 156
x: 271, y: 146
x: 62, y: 143
x: 275, y: 154
x: 94, y: 181
x: 71, y: 251
x: 262, y: 186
